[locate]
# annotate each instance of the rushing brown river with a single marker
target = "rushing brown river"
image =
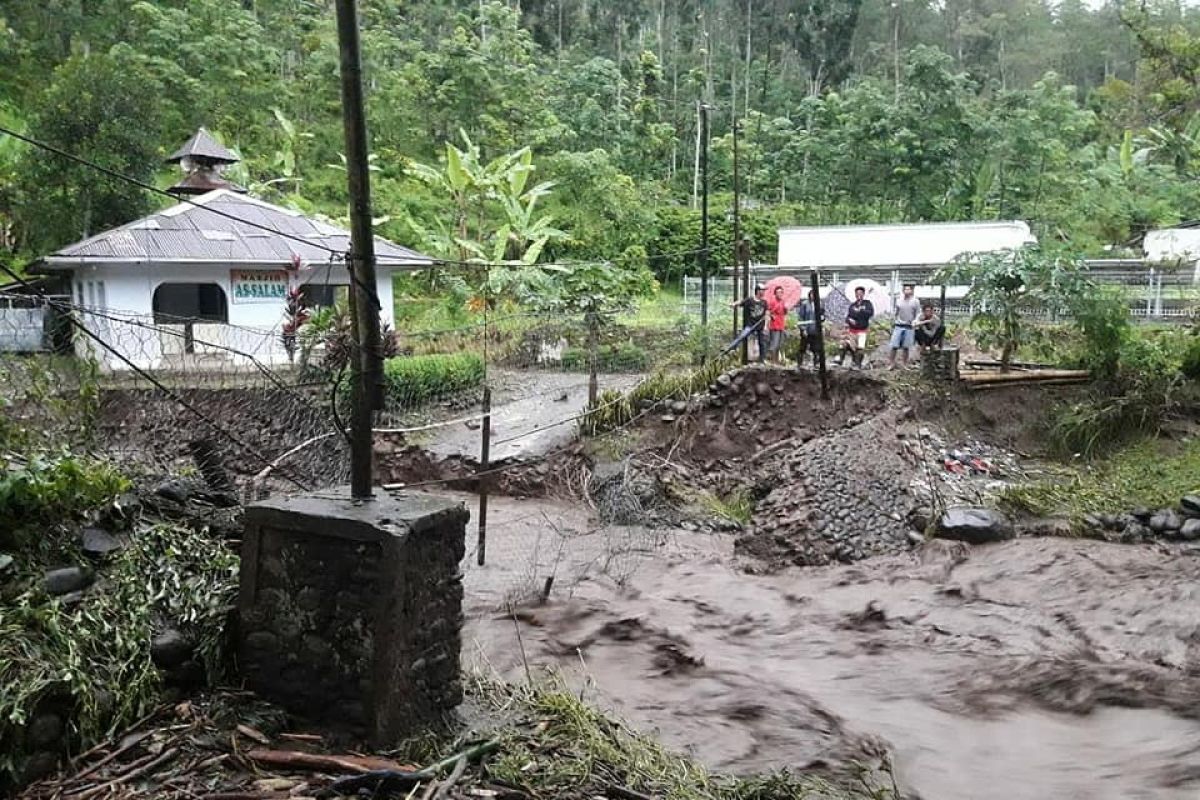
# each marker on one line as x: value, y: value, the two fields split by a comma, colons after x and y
x: 1036, y: 668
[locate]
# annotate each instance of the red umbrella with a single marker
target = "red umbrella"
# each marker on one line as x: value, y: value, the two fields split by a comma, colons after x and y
x: 793, y: 289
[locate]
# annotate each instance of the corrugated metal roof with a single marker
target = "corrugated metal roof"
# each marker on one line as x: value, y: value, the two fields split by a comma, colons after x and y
x: 203, y: 145
x: 192, y: 232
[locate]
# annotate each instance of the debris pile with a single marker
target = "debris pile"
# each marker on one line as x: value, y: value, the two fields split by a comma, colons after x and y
x: 947, y: 472
x: 530, y: 743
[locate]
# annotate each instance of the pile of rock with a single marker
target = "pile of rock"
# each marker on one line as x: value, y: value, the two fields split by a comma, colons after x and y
x: 840, y: 498
x: 1144, y: 524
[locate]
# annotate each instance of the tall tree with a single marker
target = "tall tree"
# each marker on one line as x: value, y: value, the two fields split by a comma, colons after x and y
x: 104, y: 108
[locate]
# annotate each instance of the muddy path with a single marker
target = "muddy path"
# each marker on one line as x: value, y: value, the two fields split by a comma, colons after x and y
x: 1033, y: 668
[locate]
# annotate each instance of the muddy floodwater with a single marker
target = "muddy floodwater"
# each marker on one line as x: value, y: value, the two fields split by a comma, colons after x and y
x: 1035, y: 668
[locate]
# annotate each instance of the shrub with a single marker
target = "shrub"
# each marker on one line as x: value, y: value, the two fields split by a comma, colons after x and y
x: 1129, y: 405
x: 47, y: 490
x: 1102, y: 317
x: 624, y: 357
x: 1191, y: 360
x: 412, y: 380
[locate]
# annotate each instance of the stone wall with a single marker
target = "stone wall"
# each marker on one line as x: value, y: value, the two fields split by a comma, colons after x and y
x: 351, y: 612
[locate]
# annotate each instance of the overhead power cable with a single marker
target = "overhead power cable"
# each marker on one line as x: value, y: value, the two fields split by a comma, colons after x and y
x: 145, y: 375
x: 152, y: 188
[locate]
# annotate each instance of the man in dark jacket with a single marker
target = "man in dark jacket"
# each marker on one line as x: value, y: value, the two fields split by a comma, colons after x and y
x: 806, y: 318
x: 754, y: 322
x: 858, y: 324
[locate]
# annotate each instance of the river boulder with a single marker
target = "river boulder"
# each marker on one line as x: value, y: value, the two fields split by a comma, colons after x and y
x: 974, y: 525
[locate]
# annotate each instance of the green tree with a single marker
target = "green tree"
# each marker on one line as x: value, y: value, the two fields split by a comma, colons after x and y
x: 1007, y: 286
x: 104, y: 108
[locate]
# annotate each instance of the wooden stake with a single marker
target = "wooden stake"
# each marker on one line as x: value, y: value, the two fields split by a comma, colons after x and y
x: 485, y: 447
x: 819, y: 316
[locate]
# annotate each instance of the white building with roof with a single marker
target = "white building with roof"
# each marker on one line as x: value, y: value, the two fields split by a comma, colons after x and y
x: 203, y: 283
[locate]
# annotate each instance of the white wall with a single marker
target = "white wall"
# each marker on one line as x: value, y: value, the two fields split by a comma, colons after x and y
x: 126, y: 293
x: 1172, y: 244
x: 895, y: 245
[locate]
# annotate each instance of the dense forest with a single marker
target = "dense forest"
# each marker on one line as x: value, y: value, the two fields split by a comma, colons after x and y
x: 1079, y: 117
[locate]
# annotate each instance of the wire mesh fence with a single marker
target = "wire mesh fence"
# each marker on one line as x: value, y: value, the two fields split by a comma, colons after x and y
x: 243, y: 408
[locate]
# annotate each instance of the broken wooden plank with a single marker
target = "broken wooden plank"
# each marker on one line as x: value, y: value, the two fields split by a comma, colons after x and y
x: 1015, y: 377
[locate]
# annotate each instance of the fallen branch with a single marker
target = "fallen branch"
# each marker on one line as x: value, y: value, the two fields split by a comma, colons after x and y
x: 386, y: 780
x: 295, y: 760
x: 133, y: 742
x: 144, y: 769
x: 459, y: 768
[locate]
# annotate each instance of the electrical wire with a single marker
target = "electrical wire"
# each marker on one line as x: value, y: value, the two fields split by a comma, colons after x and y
x: 152, y: 188
x: 238, y: 442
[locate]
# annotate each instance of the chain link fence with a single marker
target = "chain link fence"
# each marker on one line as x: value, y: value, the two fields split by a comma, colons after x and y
x: 1154, y: 292
x: 170, y: 397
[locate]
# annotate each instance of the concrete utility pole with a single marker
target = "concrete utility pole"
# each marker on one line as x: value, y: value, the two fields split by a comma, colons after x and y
x: 366, y: 364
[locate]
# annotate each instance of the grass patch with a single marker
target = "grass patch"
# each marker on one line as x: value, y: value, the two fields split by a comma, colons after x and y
x: 614, y: 409
x: 737, y: 506
x: 1152, y: 473
x: 664, y: 309
x: 412, y: 380
x: 564, y: 748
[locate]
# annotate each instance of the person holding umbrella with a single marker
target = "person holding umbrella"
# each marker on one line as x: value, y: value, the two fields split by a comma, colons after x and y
x: 754, y: 314
x: 777, y: 312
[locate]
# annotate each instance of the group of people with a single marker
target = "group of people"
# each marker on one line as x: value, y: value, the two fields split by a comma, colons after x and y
x: 765, y: 320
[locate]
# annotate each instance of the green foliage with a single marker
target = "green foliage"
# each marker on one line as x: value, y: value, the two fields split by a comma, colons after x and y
x: 94, y: 656
x: 1007, y: 285
x: 737, y: 506
x: 1150, y: 472
x: 1190, y: 367
x: 1102, y: 316
x: 1129, y: 405
x: 476, y: 188
x: 104, y: 108
x: 47, y: 490
x: 623, y: 357
x: 570, y: 749
x: 413, y: 380
x: 614, y: 409
x: 849, y: 112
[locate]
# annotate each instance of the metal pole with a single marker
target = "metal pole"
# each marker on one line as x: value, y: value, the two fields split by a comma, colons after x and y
x: 366, y: 389
x: 703, y: 215
x: 819, y: 316
x: 737, y: 224
x: 743, y: 258
x: 942, y: 317
x: 485, y: 447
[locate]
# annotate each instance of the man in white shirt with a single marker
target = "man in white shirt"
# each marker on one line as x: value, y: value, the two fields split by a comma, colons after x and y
x: 908, y: 308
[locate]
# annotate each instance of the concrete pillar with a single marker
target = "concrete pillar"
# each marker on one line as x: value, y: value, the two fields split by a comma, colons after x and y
x: 350, y: 613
